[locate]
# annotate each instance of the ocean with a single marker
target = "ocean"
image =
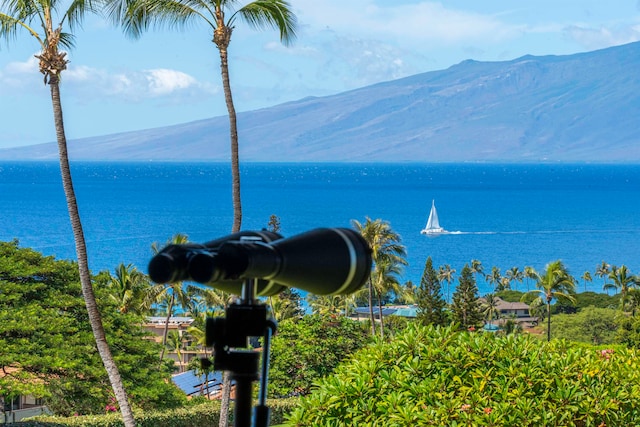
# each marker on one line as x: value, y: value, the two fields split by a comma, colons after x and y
x: 504, y: 215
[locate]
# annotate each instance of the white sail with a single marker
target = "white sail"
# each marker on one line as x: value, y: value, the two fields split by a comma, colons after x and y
x: 433, y: 224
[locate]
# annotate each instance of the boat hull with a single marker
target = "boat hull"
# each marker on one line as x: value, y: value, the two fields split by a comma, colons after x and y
x: 434, y: 232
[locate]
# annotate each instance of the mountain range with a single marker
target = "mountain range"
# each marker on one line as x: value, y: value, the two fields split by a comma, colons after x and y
x: 573, y: 108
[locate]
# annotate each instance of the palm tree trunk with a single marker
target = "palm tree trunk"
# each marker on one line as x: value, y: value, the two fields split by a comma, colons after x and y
x: 548, y: 320
x: 233, y: 131
x: 83, y: 265
x: 371, y: 316
x: 166, y: 326
x: 380, y: 313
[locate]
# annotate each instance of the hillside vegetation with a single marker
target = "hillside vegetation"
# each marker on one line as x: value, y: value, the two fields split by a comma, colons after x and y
x: 437, y: 376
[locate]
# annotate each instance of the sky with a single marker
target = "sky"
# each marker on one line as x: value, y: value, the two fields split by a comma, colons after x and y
x: 116, y: 84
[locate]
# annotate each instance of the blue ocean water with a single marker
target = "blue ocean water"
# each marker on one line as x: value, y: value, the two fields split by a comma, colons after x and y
x: 503, y: 215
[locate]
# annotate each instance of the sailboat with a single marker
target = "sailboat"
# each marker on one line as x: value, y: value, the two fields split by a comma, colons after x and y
x: 433, y: 225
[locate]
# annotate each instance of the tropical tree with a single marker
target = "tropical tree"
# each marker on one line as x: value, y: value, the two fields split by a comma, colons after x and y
x: 495, y: 278
x: 45, y: 21
x: 623, y: 281
x: 325, y: 305
x: 385, y: 279
x: 446, y: 274
x: 586, y: 277
x: 386, y: 249
x: 175, y: 293
x: 128, y: 289
x: 529, y: 273
x: 602, y: 271
x: 490, y: 307
x: 220, y: 17
x: 514, y: 275
x: 555, y: 283
x: 286, y: 305
x: 476, y: 268
x: 175, y: 343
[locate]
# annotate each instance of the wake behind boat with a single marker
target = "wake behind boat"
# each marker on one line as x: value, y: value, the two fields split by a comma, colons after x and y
x: 433, y: 229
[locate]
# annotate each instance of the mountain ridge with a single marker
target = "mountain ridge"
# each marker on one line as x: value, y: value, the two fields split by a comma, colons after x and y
x: 571, y: 108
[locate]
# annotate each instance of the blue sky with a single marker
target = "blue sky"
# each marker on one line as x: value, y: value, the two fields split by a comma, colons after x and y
x: 115, y: 84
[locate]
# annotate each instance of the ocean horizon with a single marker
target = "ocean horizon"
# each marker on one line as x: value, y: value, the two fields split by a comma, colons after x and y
x: 504, y: 215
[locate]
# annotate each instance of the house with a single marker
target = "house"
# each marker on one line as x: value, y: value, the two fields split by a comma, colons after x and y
x: 20, y: 407
x: 516, y: 311
x: 156, y: 326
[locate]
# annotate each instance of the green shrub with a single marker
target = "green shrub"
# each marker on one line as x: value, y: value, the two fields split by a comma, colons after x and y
x: 436, y: 376
x: 204, y: 414
x: 307, y: 349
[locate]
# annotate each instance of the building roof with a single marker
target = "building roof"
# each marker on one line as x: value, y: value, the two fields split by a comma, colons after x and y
x: 506, y: 305
x: 174, y: 320
x: 194, y: 385
x: 398, y: 310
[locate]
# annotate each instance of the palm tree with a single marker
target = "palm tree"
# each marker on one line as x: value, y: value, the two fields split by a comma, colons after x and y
x: 623, y: 281
x: 32, y: 16
x: 128, y: 289
x: 175, y: 343
x: 555, y: 283
x: 603, y: 271
x: 136, y: 16
x: 495, y: 278
x: 446, y: 274
x: 529, y: 273
x: 514, y: 275
x: 476, y: 268
x: 326, y: 305
x: 586, y: 277
x: 386, y: 248
x: 385, y: 279
x: 175, y: 293
x: 490, y: 307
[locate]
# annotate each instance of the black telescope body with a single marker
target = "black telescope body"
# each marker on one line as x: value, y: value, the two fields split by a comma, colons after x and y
x: 194, y: 262
x: 324, y: 261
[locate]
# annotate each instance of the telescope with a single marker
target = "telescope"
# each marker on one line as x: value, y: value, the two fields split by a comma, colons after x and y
x: 323, y: 261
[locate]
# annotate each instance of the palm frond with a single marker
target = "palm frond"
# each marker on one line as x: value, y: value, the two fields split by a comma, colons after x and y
x: 274, y: 14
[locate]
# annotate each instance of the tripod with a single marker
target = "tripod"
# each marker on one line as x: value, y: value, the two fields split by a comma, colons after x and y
x: 229, y: 335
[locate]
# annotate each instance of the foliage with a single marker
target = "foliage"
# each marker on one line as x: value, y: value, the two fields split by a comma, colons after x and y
x: 590, y: 325
x: 465, y: 307
x: 198, y: 415
x: 437, y: 376
x: 629, y: 331
x: 431, y: 304
x: 587, y: 299
x: 306, y: 350
x: 554, y: 284
x: 388, y: 256
x: 510, y: 295
x: 48, y: 346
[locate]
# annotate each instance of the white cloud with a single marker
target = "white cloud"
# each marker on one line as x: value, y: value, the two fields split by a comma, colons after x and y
x: 86, y: 84
x: 162, y: 81
x: 412, y: 23
x: 598, y: 38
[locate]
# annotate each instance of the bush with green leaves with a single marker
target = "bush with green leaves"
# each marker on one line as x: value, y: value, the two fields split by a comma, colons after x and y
x: 305, y: 350
x: 202, y: 414
x: 440, y: 377
x: 47, y: 349
x: 590, y: 325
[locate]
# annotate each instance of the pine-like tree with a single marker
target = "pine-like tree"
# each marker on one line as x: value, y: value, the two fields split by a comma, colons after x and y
x: 466, y: 308
x: 431, y: 304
